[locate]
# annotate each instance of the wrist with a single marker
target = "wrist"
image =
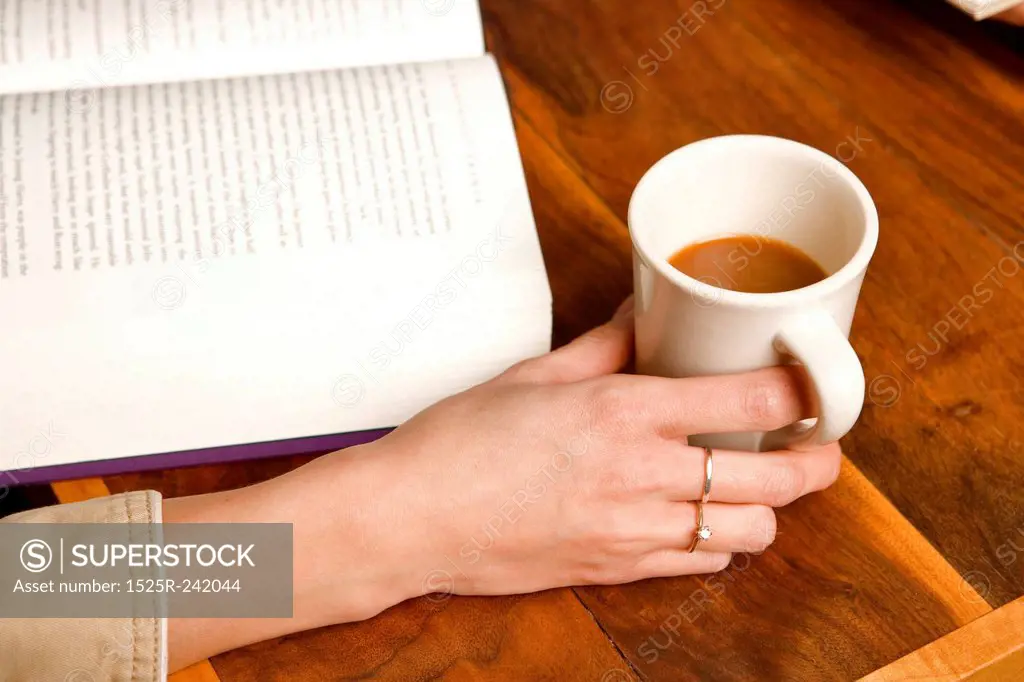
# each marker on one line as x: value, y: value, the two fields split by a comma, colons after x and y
x: 350, y: 560
x: 357, y: 547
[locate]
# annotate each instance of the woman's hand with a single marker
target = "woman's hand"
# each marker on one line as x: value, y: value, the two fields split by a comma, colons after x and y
x: 559, y: 472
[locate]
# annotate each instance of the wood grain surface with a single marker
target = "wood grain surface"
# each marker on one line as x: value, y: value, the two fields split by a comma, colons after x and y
x: 924, y: 531
x: 991, y: 649
x: 848, y: 586
x: 546, y: 636
x: 927, y: 113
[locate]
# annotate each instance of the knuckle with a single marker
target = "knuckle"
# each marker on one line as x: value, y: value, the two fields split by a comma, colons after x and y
x: 762, y: 531
x: 648, y: 471
x: 617, y: 482
x: 597, y: 336
x: 784, y: 484
x: 610, y: 531
x: 526, y: 371
x: 611, y: 401
x: 611, y: 540
x: 762, y: 402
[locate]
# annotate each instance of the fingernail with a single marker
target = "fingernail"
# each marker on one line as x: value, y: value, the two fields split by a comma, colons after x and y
x: 625, y: 309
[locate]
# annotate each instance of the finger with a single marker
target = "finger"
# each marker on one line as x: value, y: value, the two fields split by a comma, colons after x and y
x: 762, y: 400
x: 771, y: 478
x: 667, y: 563
x: 747, y: 528
x: 604, y: 350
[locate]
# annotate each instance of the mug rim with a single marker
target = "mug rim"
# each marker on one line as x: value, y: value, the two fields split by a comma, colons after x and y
x: 853, y: 267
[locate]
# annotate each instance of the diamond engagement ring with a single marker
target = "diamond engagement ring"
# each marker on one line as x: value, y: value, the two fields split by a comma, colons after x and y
x: 703, y: 532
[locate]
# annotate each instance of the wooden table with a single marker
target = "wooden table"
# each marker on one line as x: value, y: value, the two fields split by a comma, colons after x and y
x: 922, y: 534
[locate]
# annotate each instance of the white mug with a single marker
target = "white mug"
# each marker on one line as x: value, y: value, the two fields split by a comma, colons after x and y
x: 771, y: 187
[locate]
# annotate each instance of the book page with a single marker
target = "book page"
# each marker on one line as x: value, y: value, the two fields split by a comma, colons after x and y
x: 204, y: 264
x: 198, y: 172
x: 73, y: 46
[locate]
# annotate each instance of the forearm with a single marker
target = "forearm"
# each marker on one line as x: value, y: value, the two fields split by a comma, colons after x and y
x: 348, y: 551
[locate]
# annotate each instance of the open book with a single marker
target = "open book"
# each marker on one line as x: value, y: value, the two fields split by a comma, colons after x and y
x: 234, y: 229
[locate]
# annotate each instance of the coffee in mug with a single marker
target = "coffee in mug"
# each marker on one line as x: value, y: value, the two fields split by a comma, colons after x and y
x: 747, y: 262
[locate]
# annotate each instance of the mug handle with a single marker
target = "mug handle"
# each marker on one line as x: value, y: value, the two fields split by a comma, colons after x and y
x: 815, y: 341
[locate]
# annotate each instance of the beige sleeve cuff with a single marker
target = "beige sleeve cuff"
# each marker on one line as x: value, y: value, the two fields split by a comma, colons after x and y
x: 87, y: 649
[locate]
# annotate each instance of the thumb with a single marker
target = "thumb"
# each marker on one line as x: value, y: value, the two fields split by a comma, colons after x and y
x: 603, y: 350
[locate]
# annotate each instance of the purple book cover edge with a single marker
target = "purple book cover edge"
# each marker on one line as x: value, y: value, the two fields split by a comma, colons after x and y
x: 189, y: 458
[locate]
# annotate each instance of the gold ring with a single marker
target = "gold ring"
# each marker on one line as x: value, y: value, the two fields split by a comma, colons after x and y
x: 703, y: 532
x: 709, y: 468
